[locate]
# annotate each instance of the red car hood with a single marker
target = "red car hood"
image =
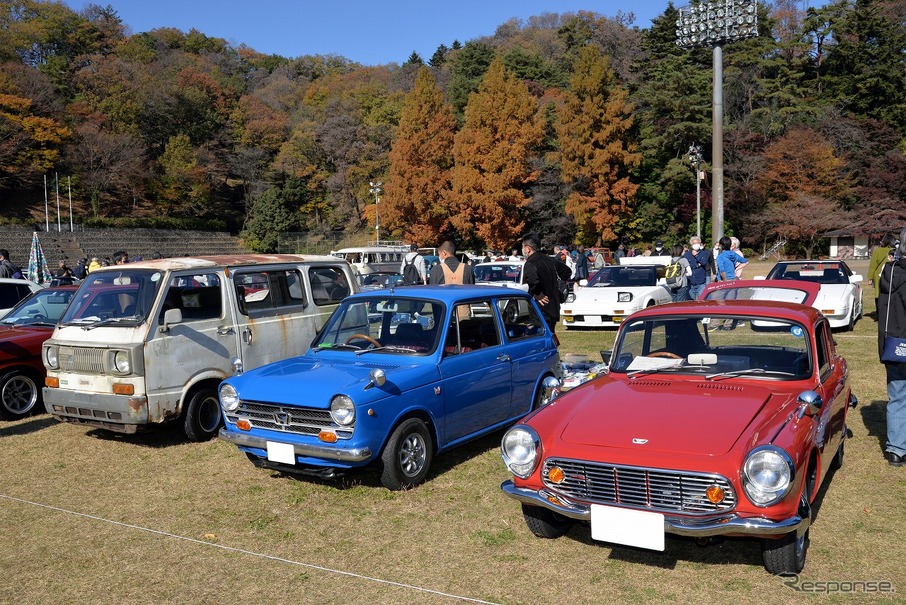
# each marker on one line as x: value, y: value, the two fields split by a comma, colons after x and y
x: 18, y: 342
x: 661, y: 415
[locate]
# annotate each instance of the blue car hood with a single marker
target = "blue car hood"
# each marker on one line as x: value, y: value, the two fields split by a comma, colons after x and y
x: 313, y: 379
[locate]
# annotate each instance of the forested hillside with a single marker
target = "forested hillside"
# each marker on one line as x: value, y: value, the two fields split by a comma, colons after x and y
x: 573, y: 125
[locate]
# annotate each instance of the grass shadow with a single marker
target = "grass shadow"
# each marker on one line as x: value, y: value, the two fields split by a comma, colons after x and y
x: 166, y: 435
x: 874, y: 415
x: 32, y: 425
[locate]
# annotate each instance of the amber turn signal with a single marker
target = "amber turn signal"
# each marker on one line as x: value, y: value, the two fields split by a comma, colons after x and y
x: 243, y: 425
x: 327, y: 437
x: 715, y: 494
x: 124, y: 389
x: 555, y: 474
x: 52, y: 382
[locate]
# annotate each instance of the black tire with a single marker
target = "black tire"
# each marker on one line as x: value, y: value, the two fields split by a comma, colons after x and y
x: 545, y: 523
x: 852, y: 320
x: 786, y: 555
x: 203, y: 418
x: 19, y: 395
x: 510, y: 313
x: 407, y: 457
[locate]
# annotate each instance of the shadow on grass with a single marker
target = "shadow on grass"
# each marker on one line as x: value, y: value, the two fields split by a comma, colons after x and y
x: 874, y: 415
x: 370, y: 476
x: 32, y: 425
x: 166, y: 435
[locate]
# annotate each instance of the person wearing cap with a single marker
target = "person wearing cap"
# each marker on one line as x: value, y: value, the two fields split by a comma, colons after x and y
x: 659, y: 249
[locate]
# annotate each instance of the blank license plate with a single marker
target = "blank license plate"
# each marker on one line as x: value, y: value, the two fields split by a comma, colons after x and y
x: 629, y: 527
x: 281, y: 452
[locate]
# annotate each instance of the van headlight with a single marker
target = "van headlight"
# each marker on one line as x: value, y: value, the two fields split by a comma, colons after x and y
x: 342, y: 410
x: 229, y: 398
x: 120, y: 362
x: 767, y: 475
x: 52, y: 356
x: 521, y: 449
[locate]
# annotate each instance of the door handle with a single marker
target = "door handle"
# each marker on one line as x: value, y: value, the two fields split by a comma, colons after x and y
x: 503, y: 357
x: 247, y: 336
x: 224, y: 330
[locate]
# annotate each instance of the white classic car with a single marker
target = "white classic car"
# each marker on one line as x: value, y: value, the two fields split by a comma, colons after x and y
x: 506, y: 273
x: 840, y: 295
x: 613, y: 293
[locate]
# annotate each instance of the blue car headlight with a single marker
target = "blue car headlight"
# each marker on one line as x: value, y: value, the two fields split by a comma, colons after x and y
x: 229, y: 398
x: 342, y: 410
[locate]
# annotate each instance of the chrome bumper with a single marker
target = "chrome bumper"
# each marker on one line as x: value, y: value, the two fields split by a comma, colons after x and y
x: 717, y: 525
x: 313, y: 451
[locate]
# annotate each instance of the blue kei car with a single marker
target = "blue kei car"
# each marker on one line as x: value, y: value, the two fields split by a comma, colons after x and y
x: 395, y: 377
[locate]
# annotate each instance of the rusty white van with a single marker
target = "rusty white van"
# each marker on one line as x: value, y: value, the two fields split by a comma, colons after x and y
x: 148, y: 342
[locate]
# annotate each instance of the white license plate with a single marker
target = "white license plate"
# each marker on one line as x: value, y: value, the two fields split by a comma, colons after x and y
x: 638, y: 528
x: 281, y: 452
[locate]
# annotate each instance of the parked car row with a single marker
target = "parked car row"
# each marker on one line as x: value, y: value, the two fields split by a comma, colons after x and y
x: 719, y: 417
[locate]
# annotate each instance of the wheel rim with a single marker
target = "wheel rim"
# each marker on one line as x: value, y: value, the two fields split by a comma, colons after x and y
x: 412, y: 455
x: 209, y: 414
x: 19, y: 395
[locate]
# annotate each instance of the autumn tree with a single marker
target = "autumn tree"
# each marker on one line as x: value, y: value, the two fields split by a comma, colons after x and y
x: 804, y: 218
x: 421, y: 161
x: 802, y: 162
x: 493, y: 154
x: 29, y: 143
x: 596, y: 150
x: 184, y: 188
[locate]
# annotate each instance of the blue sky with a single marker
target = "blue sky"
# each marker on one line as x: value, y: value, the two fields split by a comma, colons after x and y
x: 371, y: 32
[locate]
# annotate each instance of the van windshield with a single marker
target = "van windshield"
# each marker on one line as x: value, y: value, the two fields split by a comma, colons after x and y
x: 116, y: 297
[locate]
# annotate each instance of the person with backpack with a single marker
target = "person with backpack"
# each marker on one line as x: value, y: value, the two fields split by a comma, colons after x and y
x: 413, y: 268
x: 7, y: 268
x: 449, y: 270
x: 677, y: 275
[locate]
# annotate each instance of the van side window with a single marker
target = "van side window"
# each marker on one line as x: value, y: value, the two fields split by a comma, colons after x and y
x: 328, y: 285
x: 268, y: 290
x: 197, y: 296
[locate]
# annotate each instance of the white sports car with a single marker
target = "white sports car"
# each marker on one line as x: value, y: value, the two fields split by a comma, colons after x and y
x: 612, y: 294
x: 506, y: 273
x: 840, y: 296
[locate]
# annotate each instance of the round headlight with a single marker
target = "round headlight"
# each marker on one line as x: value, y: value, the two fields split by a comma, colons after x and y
x: 520, y: 449
x: 342, y: 410
x: 767, y: 475
x: 121, y: 362
x: 51, y: 359
x: 229, y: 398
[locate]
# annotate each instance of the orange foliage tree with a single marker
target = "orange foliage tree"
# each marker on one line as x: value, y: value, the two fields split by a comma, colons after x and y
x: 493, y: 154
x: 801, y: 162
x: 421, y: 161
x: 596, y: 153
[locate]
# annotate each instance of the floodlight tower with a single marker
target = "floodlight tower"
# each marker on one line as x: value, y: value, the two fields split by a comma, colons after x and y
x: 375, y: 188
x: 714, y: 23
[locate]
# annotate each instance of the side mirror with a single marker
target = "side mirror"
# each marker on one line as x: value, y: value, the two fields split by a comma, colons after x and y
x: 171, y: 317
x: 855, y: 279
x: 583, y: 282
x: 811, y: 403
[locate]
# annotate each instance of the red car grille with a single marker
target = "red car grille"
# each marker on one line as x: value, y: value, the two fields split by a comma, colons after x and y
x: 637, y: 487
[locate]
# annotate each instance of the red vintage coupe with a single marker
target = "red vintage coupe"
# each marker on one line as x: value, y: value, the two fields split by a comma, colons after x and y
x: 719, y: 417
x: 22, y: 332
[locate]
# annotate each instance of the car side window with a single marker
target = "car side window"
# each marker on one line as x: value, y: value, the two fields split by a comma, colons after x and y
x: 269, y: 290
x: 520, y: 320
x: 821, y: 342
x: 197, y: 296
x: 328, y: 285
x: 473, y: 326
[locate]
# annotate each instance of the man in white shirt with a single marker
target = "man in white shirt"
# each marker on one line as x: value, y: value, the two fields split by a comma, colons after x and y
x: 418, y: 261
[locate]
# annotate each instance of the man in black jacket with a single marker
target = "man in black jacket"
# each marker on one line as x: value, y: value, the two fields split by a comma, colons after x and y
x: 540, y: 273
x: 892, y: 321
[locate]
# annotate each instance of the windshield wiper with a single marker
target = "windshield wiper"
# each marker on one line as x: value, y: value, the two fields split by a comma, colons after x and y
x: 646, y: 371
x: 334, y: 345
x: 746, y: 372
x: 387, y: 348
x: 112, y: 320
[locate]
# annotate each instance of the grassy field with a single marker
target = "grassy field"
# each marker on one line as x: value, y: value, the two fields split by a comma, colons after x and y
x: 90, y: 517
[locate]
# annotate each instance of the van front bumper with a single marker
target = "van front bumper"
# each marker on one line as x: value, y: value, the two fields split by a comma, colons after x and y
x: 121, y: 413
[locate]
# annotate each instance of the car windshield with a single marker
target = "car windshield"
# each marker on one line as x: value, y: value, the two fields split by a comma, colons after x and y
x: 115, y: 297
x: 624, y: 277
x: 497, y: 272
x: 44, y: 307
x: 389, y: 324
x: 818, y: 272
x: 715, y: 347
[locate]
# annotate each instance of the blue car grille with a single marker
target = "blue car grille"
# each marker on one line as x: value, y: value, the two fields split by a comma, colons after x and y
x: 288, y: 419
x: 658, y: 490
